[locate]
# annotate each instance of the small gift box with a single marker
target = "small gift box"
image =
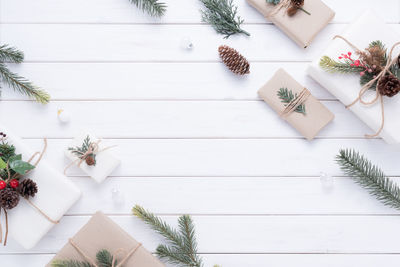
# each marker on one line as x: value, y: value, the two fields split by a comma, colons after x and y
x: 102, y: 234
x: 33, y: 217
x: 91, y: 156
x: 345, y: 68
x: 300, y: 22
x: 295, y: 104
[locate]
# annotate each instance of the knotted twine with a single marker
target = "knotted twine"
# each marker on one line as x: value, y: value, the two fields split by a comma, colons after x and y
x: 26, y: 198
x: 368, y: 85
x: 282, y: 4
x: 299, y: 100
x: 92, y: 150
x: 118, y: 251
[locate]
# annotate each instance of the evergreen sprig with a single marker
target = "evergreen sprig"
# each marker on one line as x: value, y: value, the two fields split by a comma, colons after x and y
x: 19, y: 83
x: 222, y: 15
x: 152, y: 7
x: 182, y: 245
x: 104, y: 259
x: 287, y: 96
x: 274, y: 2
x: 333, y: 66
x: 369, y: 176
x: 79, y: 151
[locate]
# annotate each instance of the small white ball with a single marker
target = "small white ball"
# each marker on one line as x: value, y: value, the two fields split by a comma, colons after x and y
x: 63, y: 116
x: 117, y: 196
x: 186, y: 43
x: 327, y: 182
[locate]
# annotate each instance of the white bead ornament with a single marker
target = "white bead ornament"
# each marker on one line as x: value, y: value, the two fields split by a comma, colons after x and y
x: 186, y: 43
x: 63, y: 116
x: 326, y: 182
x: 117, y: 196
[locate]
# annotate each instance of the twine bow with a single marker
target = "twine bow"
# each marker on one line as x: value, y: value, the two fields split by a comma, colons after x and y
x: 364, y: 89
x: 28, y: 200
x: 278, y: 7
x: 114, y: 255
x: 289, y: 6
x: 299, y: 100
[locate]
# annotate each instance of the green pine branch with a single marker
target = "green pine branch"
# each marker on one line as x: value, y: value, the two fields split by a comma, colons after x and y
x: 332, y: 66
x: 10, y: 54
x: 370, y: 177
x: 22, y: 85
x: 104, y: 259
x: 152, y: 7
x: 286, y: 96
x: 182, y: 246
x: 274, y: 2
x: 70, y: 263
x: 222, y: 15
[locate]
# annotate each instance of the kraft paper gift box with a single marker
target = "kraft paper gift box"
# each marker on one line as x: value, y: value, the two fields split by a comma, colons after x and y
x: 346, y: 87
x: 316, y: 116
x: 105, y: 161
x: 102, y: 233
x: 301, y: 27
x: 55, y: 196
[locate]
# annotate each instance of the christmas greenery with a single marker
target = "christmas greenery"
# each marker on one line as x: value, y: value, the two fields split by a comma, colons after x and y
x: 80, y: 151
x: 152, y: 7
x: 222, y: 15
x: 274, y: 2
x: 182, y: 245
x: 103, y: 257
x: 370, y: 177
x: 13, y: 80
x: 286, y: 96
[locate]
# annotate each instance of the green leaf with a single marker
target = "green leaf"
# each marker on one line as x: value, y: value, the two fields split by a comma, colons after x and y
x: 16, y: 157
x: 3, y: 165
x: 20, y: 166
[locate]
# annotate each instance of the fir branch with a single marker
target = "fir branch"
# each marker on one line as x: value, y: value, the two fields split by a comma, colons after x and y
x: 182, y: 248
x: 152, y: 7
x: 274, y: 2
x: 332, y: 66
x: 104, y: 258
x: 70, y: 263
x: 370, y: 177
x: 80, y: 151
x: 287, y: 96
x: 22, y: 85
x: 222, y: 15
x: 10, y: 54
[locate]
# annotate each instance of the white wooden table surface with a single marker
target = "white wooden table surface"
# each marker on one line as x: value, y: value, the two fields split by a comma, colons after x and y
x: 194, y: 138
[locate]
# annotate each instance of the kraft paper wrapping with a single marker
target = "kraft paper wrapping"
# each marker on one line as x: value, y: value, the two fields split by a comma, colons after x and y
x: 346, y: 87
x: 301, y: 28
x: 102, y: 233
x: 105, y: 161
x: 56, y: 194
x: 317, y: 115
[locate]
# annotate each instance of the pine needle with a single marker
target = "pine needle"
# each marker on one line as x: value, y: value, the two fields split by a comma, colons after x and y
x: 182, y: 247
x: 152, y: 7
x: 287, y: 96
x: 22, y: 85
x: 222, y: 15
x: 370, y: 177
x: 332, y: 66
x: 10, y: 54
x: 70, y: 263
x: 104, y: 258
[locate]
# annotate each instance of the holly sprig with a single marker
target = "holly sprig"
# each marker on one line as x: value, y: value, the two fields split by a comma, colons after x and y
x: 286, y: 96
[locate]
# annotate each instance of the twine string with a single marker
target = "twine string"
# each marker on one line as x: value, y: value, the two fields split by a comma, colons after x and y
x: 367, y: 86
x: 114, y: 256
x: 278, y: 7
x: 299, y: 100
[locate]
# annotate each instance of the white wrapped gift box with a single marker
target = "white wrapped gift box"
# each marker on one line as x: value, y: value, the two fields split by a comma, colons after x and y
x: 105, y: 161
x: 56, y: 194
x: 346, y: 87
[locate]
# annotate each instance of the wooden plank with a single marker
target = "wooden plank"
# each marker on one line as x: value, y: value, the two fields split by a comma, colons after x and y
x: 227, y: 195
x: 169, y: 119
x: 121, y: 11
x: 173, y: 81
x: 126, y: 43
x: 248, y: 260
x: 229, y: 157
x: 254, y: 234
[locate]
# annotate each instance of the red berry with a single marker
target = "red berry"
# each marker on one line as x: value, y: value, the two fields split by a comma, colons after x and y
x: 14, y: 183
x: 2, y: 185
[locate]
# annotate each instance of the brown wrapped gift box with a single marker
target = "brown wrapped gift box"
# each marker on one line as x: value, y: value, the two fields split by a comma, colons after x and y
x: 302, y: 28
x: 102, y: 233
x: 317, y: 115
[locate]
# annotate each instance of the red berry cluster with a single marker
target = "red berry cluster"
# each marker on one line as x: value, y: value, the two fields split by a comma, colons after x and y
x: 358, y: 63
x: 14, y: 183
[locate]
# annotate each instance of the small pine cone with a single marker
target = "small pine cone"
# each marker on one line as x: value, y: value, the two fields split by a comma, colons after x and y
x: 297, y: 3
x: 27, y: 188
x: 9, y: 198
x: 90, y: 160
x: 389, y: 85
x: 234, y: 60
x: 292, y: 11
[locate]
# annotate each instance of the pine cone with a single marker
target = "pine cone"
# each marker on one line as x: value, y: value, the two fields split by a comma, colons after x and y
x: 27, y: 188
x: 90, y: 160
x: 233, y: 60
x: 389, y: 85
x: 9, y: 198
x: 297, y: 3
